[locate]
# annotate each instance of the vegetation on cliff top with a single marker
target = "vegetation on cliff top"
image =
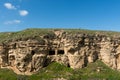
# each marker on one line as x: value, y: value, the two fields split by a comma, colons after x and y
x: 56, y: 70
x: 35, y: 33
x: 23, y: 35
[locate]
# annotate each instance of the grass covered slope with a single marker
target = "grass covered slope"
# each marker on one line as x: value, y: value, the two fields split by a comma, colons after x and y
x: 23, y: 35
x: 55, y: 70
x: 36, y: 32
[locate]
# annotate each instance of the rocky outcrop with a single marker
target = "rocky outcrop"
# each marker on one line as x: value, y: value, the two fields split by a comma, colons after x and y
x: 73, y: 50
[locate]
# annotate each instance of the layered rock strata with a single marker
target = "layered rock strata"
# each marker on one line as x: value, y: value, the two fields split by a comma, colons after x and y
x: 73, y: 50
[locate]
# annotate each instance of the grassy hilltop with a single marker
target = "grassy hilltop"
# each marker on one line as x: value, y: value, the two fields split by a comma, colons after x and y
x: 34, y: 33
x: 56, y: 70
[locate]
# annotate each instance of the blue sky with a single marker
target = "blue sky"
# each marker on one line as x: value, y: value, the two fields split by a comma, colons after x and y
x: 17, y: 15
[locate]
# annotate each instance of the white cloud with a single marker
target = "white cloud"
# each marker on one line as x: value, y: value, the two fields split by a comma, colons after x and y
x: 23, y: 12
x: 9, y: 6
x: 13, y: 22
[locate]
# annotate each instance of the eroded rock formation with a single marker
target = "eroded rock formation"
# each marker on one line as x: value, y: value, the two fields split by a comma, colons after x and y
x: 73, y: 50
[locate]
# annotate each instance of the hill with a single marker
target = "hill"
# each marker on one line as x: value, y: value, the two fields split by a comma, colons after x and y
x: 60, y: 54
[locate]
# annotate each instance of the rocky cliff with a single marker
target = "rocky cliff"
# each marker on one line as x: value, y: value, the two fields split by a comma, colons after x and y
x: 28, y: 56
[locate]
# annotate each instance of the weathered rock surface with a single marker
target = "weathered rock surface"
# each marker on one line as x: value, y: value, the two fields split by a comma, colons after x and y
x: 73, y: 50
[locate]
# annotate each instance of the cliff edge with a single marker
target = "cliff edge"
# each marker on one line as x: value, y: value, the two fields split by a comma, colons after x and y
x: 28, y: 51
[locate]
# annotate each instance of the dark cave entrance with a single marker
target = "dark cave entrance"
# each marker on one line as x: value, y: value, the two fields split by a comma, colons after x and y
x: 68, y: 65
x: 12, y: 57
x: 52, y: 52
x: 60, y: 52
x: 32, y: 52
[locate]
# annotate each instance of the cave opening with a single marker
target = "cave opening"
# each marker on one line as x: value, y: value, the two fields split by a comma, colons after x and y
x: 12, y: 57
x: 32, y: 52
x: 60, y: 52
x: 52, y: 52
x: 71, y: 50
x: 68, y: 65
x: 18, y: 64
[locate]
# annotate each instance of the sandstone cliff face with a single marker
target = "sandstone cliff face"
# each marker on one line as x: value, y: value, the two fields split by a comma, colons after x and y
x: 73, y: 50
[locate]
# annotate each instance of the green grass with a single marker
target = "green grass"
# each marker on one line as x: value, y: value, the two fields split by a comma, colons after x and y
x: 90, y: 72
x: 24, y: 35
x: 56, y: 70
x: 93, y: 32
x: 6, y: 74
x: 36, y: 33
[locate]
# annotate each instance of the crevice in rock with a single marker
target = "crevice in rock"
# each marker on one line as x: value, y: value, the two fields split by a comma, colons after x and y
x: 95, y: 56
x: 47, y: 62
x: 85, y: 60
x: 32, y: 52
